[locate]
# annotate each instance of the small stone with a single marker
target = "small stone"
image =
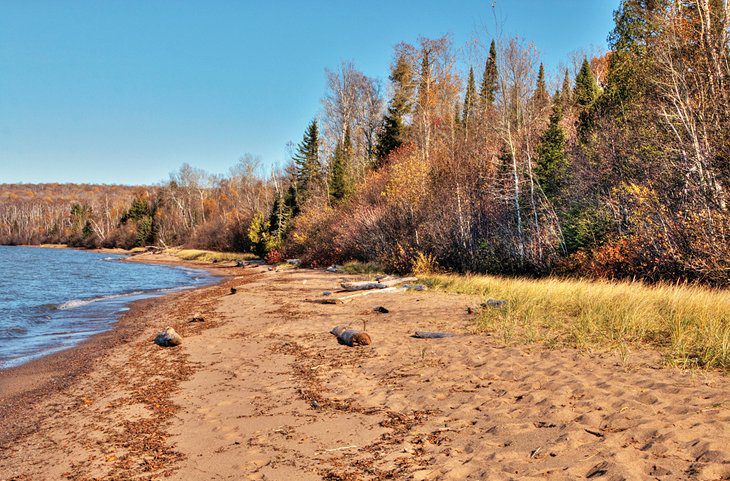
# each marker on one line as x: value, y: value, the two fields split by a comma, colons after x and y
x: 381, y: 309
x: 197, y: 318
x: 233, y: 290
x: 168, y: 338
x: 326, y: 293
x: 314, y: 404
x: 496, y: 303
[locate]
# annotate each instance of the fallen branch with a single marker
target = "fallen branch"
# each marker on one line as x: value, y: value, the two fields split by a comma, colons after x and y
x: 348, y: 298
x: 432, y: 335
x: 380, y: 284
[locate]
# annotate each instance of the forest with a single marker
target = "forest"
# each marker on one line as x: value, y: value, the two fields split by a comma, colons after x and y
x: 615, y: 167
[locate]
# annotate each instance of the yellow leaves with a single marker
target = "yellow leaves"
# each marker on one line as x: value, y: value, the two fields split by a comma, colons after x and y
x: 408, y: 180
x: 424, y: 264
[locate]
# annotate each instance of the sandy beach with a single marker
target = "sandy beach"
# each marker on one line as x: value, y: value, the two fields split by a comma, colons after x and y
x: 262, y: 391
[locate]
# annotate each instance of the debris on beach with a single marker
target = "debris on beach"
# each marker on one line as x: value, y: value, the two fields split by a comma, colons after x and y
x: 197, y: 318
x: 233, y: 290
x: 415, y: 287
x: 496, y: 303
x: 349, y: 297
x: 382, y: 283
x: 351, y: 337
x: 327, y: 293
x: 333, y: 268
x: 432, y: 335
x: 168, y: 338
x: 381, y: 309
x: 294, y: 262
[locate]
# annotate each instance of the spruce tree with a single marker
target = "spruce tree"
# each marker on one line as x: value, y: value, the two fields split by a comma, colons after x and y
x: 488, y: 91
x: 339, y: 186
x: 552, y: 160
x: 306, y: 158
x: 566, y: 91
x: 470, y: 100
x: 279, y: 217
x: 541, y: 96
x: 586, y: 89
x: 393, y: 132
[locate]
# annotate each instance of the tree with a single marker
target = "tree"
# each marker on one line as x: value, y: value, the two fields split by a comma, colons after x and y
x: 340, y: 184
x: 566, y: 91
x: 394, y: 128
x: 308, y: 167
x: 488, y: 90
x: 541, y: 97
x: 470, y: 101
x: 552, y: 160
x: 586, y: 89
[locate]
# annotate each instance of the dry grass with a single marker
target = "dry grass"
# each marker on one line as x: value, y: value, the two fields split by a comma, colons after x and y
x: 355, y: 267
x: 209, y: 256
x: 689, y: 325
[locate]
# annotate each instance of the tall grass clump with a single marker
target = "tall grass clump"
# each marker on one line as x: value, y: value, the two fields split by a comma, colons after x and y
x: 210, y: 256
x: 690, y: 325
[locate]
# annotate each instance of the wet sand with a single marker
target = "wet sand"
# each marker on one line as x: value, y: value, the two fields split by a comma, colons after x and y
x: 261, y: 390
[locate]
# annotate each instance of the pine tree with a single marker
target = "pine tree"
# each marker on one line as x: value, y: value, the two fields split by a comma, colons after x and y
x: 541, y: 97
x: 552, y: 160
x: 340, y: 185
x: 470, y: 100
x: 306, y: 158
x: 488, y: 91
x: 586, y: 89
x: 393, y: 132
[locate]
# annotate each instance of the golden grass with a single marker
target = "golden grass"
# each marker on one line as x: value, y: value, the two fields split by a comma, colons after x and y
x: 689, y: 325
x: 356, y: 267
x: 199, y: 255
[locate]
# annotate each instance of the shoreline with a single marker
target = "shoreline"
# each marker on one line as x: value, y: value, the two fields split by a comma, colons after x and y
x: 262, y: 390
x: 22, y: 387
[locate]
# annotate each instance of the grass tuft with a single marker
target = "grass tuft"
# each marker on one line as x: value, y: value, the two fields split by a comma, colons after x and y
x: 355, y: 267
x: 689, y: 325
x: 199, y: 255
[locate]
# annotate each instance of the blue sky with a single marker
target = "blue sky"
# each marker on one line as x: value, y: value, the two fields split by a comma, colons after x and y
x: 126, y: 91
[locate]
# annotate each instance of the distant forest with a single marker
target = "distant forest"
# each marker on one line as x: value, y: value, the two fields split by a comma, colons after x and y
x: 615, y: 167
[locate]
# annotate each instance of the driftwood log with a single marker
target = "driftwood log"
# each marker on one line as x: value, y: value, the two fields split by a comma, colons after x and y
x: 380, y: 284
x: 351, y: 337
x: 432, y: 335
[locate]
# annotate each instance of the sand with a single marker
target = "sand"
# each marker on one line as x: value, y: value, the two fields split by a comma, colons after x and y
x: 261, y: 390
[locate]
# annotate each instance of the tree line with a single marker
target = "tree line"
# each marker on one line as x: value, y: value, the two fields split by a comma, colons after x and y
x: 617, y: 169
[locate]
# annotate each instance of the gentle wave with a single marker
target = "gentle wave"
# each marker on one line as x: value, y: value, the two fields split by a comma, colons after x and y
x: 83, y: 302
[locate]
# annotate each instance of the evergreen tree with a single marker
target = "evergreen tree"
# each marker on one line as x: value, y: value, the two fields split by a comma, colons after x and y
x: 470, y: 100
x: 552, y: 160
x: 541, y: 97
x: 566, y: 91
x: 340, y: 185
x: 291, y: 201
x: 279, y: 217
x: 393, y: 132
x: 488, y: 91
x: 586, y: 89
x: 306, y: 158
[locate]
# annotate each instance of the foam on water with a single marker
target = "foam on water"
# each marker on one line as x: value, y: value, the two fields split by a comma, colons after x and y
x: 52, y: 299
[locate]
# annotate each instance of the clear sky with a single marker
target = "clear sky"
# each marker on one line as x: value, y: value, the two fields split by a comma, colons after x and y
x: 125, y: 91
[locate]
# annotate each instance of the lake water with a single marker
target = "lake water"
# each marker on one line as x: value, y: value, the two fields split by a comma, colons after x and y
x: 52, y: 299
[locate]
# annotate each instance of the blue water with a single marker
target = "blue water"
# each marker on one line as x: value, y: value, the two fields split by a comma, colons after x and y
x: 52, y: 299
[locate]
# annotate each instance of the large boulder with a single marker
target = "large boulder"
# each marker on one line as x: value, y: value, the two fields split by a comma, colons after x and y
x: 168, y: 338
